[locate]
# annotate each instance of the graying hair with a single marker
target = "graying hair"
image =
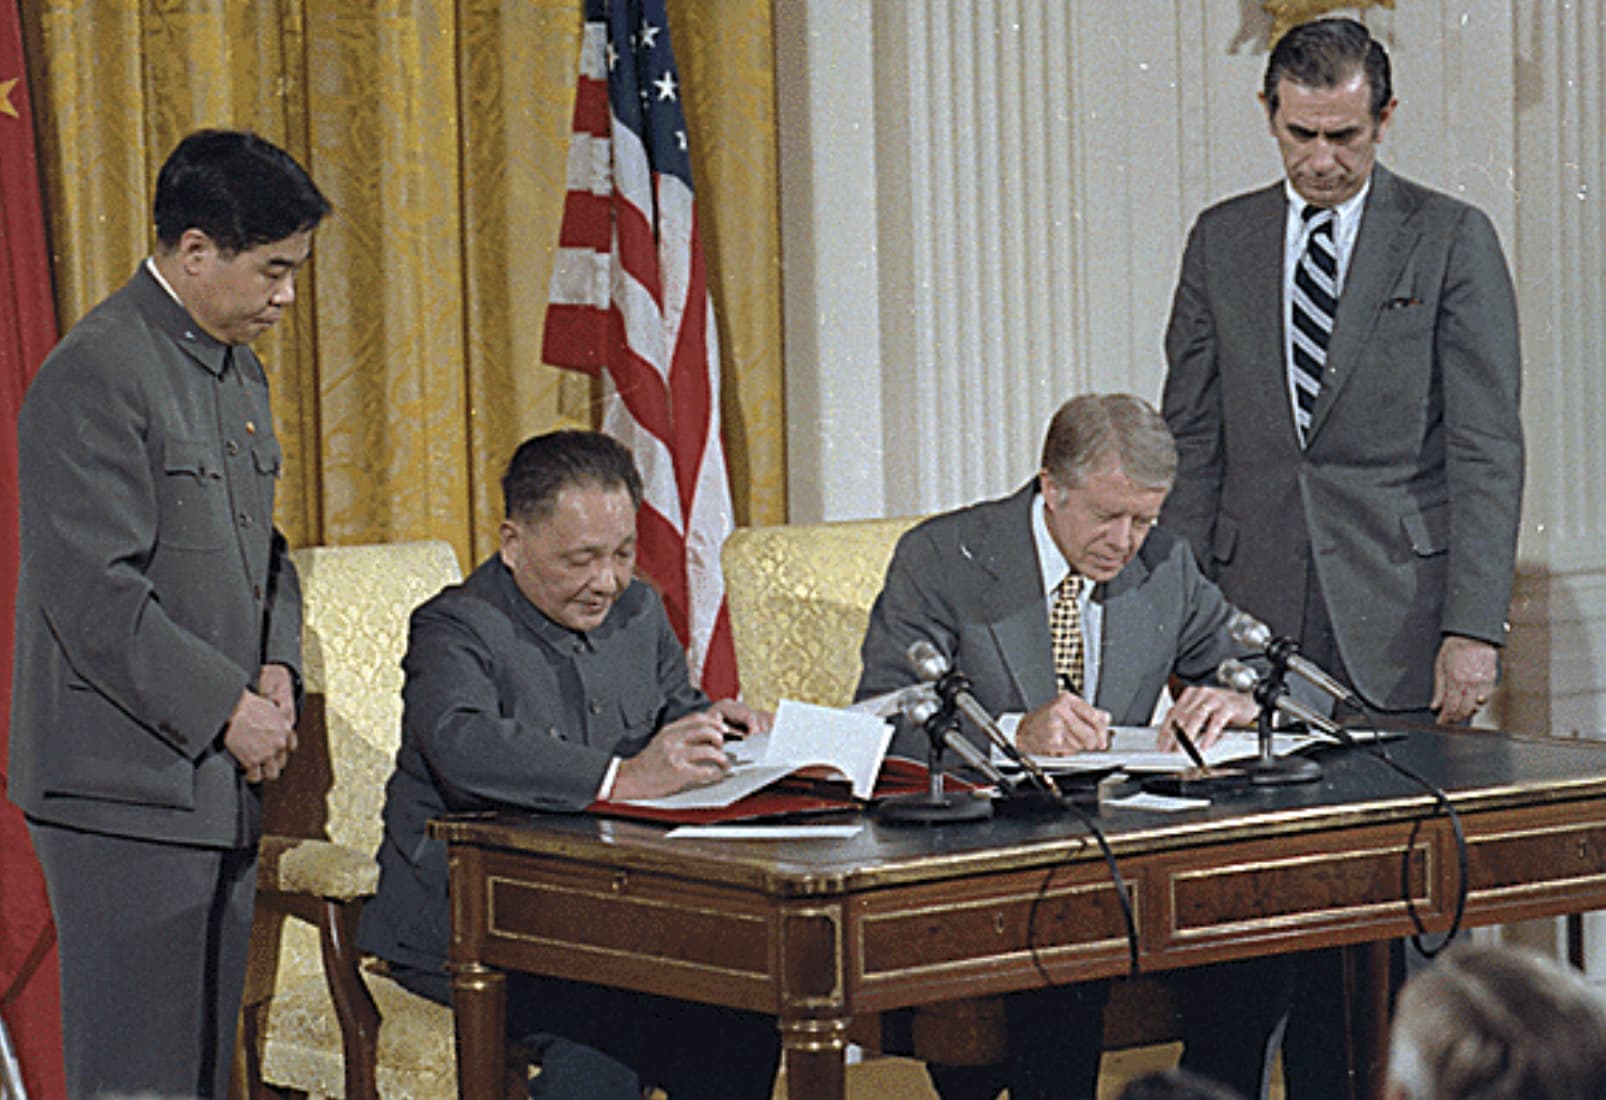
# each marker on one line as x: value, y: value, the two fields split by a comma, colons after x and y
x: 1094, y: 430
x: 1499, y: 1023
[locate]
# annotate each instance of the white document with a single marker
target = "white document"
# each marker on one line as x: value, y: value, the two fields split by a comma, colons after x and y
x: 767, y: 832
x: 850, y: 744
x: 1132, y: 750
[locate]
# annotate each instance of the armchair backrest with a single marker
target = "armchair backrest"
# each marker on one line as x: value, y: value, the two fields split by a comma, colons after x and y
x: 799, y: 598
x: 356, y: 601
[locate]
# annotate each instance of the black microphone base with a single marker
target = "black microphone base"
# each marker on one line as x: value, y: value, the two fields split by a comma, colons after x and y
x: 945, y: 809
x: 1283, y: 771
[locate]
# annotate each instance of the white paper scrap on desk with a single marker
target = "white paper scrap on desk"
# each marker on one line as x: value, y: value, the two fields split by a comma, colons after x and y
x: 766, y: 832
x: 1164, y: 803
x: 1132, y: 749
x: 849, y: 743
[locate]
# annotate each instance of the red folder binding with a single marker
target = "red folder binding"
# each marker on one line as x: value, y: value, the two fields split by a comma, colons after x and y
x: 794, y: 796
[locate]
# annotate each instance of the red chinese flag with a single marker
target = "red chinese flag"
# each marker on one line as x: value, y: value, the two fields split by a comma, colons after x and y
x: 30, y: 997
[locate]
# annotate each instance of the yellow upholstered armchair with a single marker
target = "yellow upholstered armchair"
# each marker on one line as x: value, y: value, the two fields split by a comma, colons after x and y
x: 315, y: 1020
x: 799, y: 598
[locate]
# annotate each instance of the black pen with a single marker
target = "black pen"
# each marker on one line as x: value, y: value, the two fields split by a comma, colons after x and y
x: 734, y: 730
x: 1190, y: 748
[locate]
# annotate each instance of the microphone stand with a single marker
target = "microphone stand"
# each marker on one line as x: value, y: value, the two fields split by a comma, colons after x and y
x: 938, y: 806
x: 1268, y: 770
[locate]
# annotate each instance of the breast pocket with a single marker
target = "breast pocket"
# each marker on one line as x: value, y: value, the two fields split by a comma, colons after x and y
x: 637, y: 716
x: 192, y: 499
x: 268, y: 457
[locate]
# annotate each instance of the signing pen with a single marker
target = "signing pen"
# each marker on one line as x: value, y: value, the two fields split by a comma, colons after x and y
x: 1190, y: 748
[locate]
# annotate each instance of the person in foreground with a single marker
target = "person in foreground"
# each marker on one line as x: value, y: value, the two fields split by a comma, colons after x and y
x: 548, y: 679
x: 1344, y: 375
x: 159, y: 623
x: 1063, y: 604
x: 1498, y: 1023
x: 1175, y: 1085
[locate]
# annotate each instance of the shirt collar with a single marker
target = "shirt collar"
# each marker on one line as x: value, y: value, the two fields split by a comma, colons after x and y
x: 1050, y: 561
x: 1344, y: 213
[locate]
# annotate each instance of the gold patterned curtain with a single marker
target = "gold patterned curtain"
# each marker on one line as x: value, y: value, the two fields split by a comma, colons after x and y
x: 410, y: 366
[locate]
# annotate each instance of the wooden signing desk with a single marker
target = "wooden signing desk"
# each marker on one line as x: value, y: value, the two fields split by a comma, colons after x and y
x: 816, y: 932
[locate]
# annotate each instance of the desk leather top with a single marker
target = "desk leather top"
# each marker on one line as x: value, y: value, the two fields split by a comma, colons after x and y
x: 1480, y: 771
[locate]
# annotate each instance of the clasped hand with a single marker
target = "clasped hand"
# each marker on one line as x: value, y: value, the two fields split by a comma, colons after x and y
x: 261, y: 733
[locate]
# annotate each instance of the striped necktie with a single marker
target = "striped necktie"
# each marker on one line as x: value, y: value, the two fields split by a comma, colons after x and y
x: 1065, y: 628
x: 1315, y: 301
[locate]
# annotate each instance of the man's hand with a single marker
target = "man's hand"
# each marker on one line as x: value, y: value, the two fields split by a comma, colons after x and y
x: 1067, y: 724
x: 1463, y: 677
x: 1202, y: 713
x: 741, y: 719
x: 277, y: 687
x: 687, y: 752
x: 261, y: 736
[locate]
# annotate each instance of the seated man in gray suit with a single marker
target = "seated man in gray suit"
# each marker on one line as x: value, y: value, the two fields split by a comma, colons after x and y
x: 546, y: 680
x: 1063, y: 604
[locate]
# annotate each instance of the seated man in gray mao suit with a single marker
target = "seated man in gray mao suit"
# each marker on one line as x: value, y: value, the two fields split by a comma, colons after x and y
x: 550, y: 678
x: 1077, y: 548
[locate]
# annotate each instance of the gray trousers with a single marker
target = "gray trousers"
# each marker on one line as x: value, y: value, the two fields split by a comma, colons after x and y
x: 153, y: 941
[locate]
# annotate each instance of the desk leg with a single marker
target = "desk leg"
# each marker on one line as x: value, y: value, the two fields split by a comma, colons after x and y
x: 813, y: 1049
x: 1371, y: 993
x: 479, y: 998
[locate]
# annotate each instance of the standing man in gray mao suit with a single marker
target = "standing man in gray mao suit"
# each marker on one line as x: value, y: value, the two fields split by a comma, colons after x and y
x: 1343, y: 388
x: 159, y: 624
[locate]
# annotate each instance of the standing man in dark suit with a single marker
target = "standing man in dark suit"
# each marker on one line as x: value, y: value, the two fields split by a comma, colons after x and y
x: 1351, y: 473
x: 548, y: 679
x: 1065, y: 607
x: 159, y: 624
x: 1343, y: 387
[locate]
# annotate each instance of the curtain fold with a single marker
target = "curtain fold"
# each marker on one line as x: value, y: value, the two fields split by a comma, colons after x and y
x: 410, y: 366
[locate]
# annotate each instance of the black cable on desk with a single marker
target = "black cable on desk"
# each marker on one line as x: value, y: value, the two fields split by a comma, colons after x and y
x: 1122, y: 894
x: 1442, y: 800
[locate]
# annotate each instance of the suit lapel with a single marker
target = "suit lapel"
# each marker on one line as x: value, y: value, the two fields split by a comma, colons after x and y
x: 1259, y: 281
x: 1127, y: 628
x: 1001, y: 544
x: 1385, y: 241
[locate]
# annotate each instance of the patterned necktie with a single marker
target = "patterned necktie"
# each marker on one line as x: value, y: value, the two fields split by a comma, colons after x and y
x: 1315, y: 301
x: 1065, y: 628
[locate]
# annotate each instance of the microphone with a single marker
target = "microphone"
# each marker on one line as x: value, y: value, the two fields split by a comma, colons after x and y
x: 1247, y: 630
x: 930, y: 664
x: 919, y: 705
x: 1234, y: 674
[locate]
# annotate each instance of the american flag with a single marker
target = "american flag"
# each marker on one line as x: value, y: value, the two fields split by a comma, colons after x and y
x: 630, y: 299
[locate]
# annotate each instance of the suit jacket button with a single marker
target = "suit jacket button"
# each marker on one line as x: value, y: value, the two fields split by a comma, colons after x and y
x: 596, y: 706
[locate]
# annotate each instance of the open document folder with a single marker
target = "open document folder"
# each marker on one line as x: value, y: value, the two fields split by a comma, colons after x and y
x: 822, y: 741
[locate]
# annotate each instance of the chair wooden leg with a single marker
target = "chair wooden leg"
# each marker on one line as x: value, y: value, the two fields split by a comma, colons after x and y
x: 253, y: 1087
x: 354, y: 1005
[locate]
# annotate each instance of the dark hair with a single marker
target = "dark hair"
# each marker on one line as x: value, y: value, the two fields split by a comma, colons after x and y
x: 1326, y: 53
x: 545, y: 465
x: 1093, y: 428
x: 1176, y: 1084
x: 239, y: 189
